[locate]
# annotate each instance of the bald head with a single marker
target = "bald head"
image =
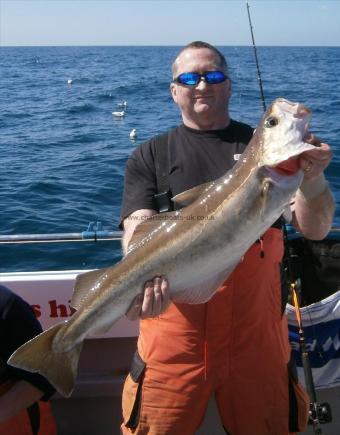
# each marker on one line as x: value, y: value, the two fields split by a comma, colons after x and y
x: 222, y: 63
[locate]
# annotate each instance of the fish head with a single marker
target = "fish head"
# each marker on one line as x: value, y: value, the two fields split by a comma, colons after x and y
x: 278, y: 143
x: 281, y: 135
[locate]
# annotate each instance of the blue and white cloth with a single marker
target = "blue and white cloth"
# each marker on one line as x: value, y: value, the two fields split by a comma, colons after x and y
x: 321, y: 325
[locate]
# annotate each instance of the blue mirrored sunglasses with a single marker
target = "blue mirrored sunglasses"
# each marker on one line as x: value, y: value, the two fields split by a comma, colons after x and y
x: 193, y: 78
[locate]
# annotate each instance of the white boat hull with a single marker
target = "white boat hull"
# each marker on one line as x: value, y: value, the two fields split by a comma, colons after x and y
x: 95, y: 405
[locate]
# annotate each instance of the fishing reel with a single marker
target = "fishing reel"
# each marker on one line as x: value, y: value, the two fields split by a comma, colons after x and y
x: 320, y: 412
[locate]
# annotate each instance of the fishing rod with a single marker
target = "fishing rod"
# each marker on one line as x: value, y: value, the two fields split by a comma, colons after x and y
x: 318, y: 413
x: 259, y: 79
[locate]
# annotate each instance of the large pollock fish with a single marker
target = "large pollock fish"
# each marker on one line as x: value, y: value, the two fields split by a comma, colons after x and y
x: 196, y: 248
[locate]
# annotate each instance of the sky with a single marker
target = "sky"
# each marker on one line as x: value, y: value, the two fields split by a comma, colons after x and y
x: 168, y: 22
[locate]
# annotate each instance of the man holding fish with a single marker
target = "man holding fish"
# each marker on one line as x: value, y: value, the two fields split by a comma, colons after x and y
x: 224, y: 334
x: 234, y: 346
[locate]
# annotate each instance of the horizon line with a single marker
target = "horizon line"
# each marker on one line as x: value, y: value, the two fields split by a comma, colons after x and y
x: 157, y: 45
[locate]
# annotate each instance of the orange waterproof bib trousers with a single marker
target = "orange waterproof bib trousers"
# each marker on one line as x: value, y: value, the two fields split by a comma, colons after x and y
x: 235, y: 347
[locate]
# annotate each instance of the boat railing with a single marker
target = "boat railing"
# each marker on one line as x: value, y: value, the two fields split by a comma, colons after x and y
x: 93, y: 233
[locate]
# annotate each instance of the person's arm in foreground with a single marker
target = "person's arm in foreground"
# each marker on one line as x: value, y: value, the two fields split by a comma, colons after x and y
x: 19, y: 325
x: 156, y: 298
x: 19, y: 397
x: 314, y: 203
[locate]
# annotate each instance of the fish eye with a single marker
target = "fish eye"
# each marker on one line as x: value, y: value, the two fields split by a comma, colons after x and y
x: 271, y: 121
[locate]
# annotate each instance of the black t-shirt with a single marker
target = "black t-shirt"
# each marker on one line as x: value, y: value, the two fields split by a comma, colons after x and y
x: 18, y: 324
x: 195, y: 157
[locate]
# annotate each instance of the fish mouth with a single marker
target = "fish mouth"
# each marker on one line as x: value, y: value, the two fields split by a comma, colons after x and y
x: 288, y: 167
x: 284, y: 174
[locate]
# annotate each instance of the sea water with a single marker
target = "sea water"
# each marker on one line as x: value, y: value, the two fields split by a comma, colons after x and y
x: 63, y: 153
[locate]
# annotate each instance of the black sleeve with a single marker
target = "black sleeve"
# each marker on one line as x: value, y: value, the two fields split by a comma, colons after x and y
x: 139, y: 181
x: 20, y: 325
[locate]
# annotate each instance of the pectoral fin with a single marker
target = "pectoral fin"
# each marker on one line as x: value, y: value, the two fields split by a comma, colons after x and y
x: 153, y: 223
x: 189, y: 196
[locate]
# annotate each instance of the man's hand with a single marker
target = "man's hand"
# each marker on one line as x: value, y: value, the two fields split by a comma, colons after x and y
x: 314, y: 162
x: 314, y: 205
x: 152, y: 302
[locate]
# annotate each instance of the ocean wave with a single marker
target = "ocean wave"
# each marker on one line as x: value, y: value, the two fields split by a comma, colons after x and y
x: 81, y: 108
x: 17, y: 115
x: 109, y: 96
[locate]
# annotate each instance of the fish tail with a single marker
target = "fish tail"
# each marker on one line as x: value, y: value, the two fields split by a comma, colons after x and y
x: 38, y: 356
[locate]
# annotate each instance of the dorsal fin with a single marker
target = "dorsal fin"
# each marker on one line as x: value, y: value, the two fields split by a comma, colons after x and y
x: 189, y: 196
x: 148, y: 226
x: 83, y: 285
